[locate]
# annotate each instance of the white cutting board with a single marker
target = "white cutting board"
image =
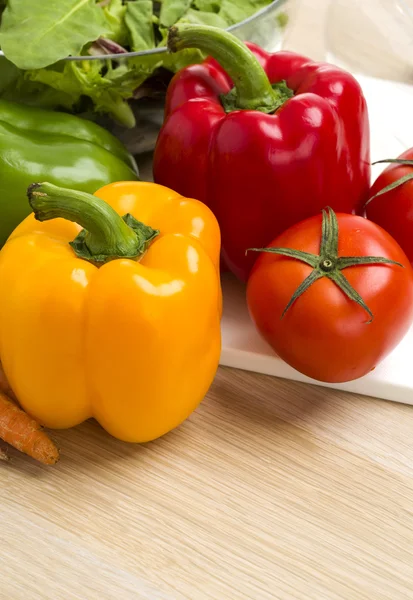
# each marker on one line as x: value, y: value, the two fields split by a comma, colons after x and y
x: 242, y: 346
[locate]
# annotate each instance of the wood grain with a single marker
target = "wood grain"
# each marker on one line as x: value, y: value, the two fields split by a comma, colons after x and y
x: 271, y: 490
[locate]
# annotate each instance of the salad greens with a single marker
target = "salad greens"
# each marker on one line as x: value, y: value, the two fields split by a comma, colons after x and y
x: 139, y: 20
x: 172, y: 11
x: 36, y: 36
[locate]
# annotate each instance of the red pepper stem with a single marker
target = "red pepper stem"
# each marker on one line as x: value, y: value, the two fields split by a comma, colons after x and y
x: 253, y: 88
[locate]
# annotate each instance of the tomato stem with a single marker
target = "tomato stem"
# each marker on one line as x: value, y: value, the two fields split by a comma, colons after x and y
x: 328, y: 263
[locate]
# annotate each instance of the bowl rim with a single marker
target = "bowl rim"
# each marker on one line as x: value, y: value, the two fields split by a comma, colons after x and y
x: 162, y: 49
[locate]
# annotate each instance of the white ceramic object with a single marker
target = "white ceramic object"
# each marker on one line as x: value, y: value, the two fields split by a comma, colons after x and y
x: 243, y: 348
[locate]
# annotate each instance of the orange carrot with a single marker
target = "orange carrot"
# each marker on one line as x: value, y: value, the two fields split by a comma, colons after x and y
x: 24, y: 433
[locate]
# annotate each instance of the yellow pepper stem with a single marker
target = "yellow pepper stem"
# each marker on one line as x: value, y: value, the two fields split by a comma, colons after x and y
x: 105, y: 236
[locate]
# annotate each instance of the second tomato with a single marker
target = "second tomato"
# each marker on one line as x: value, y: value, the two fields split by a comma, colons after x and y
x: 391, y: 201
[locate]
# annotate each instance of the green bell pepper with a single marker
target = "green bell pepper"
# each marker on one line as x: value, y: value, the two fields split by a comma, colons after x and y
x: 38, y: 145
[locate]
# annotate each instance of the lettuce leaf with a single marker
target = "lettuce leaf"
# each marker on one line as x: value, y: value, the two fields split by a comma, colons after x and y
x: 172, y: 11
x: 199, y: 17
x: 9, y: 73
x: 139, y: 20
x: 35, y: 33
x: 107, y: 87
x: 114, y: 13
x: 234, y: 11
x: 207, y: 5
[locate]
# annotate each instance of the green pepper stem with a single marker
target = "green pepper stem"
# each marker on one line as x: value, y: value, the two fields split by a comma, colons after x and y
x: 253, y: 88
x: 106, y: 234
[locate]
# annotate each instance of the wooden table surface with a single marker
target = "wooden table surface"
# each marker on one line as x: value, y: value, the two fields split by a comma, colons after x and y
x: 271, y: 490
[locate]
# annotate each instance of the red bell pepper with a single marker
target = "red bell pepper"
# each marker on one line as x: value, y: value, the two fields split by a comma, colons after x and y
x: 265, y: 140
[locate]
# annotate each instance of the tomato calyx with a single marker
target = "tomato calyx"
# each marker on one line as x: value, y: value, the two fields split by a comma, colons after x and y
x: 328, y: 263
x: 394, y: 184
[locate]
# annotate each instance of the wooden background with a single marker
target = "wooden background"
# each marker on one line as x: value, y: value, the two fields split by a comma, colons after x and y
x: 271, y: 490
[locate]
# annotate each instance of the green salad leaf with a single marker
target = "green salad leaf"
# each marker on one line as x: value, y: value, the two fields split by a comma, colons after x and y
x: 107, y: 87
x: 35, y: 33
x: 199, y: 17
x: 207, y: 5
x: 115, y: 16
x: 234, y: 11
x: 139, y: 20
x: 172, y: 11
x: 9, y: 73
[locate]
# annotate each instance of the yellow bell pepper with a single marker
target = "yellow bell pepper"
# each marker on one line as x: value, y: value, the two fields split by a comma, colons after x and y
x: 121, y: 324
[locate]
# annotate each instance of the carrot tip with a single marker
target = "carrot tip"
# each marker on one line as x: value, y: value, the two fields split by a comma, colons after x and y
x: 4, y: 456
x: 21, y: 431
x: 50, y: 460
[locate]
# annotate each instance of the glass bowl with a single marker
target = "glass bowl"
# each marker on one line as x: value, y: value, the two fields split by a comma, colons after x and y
x: 373, y: 39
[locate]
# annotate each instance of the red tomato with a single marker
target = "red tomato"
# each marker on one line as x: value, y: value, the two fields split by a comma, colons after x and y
x: 393, y: 210
x: 324, y: 334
